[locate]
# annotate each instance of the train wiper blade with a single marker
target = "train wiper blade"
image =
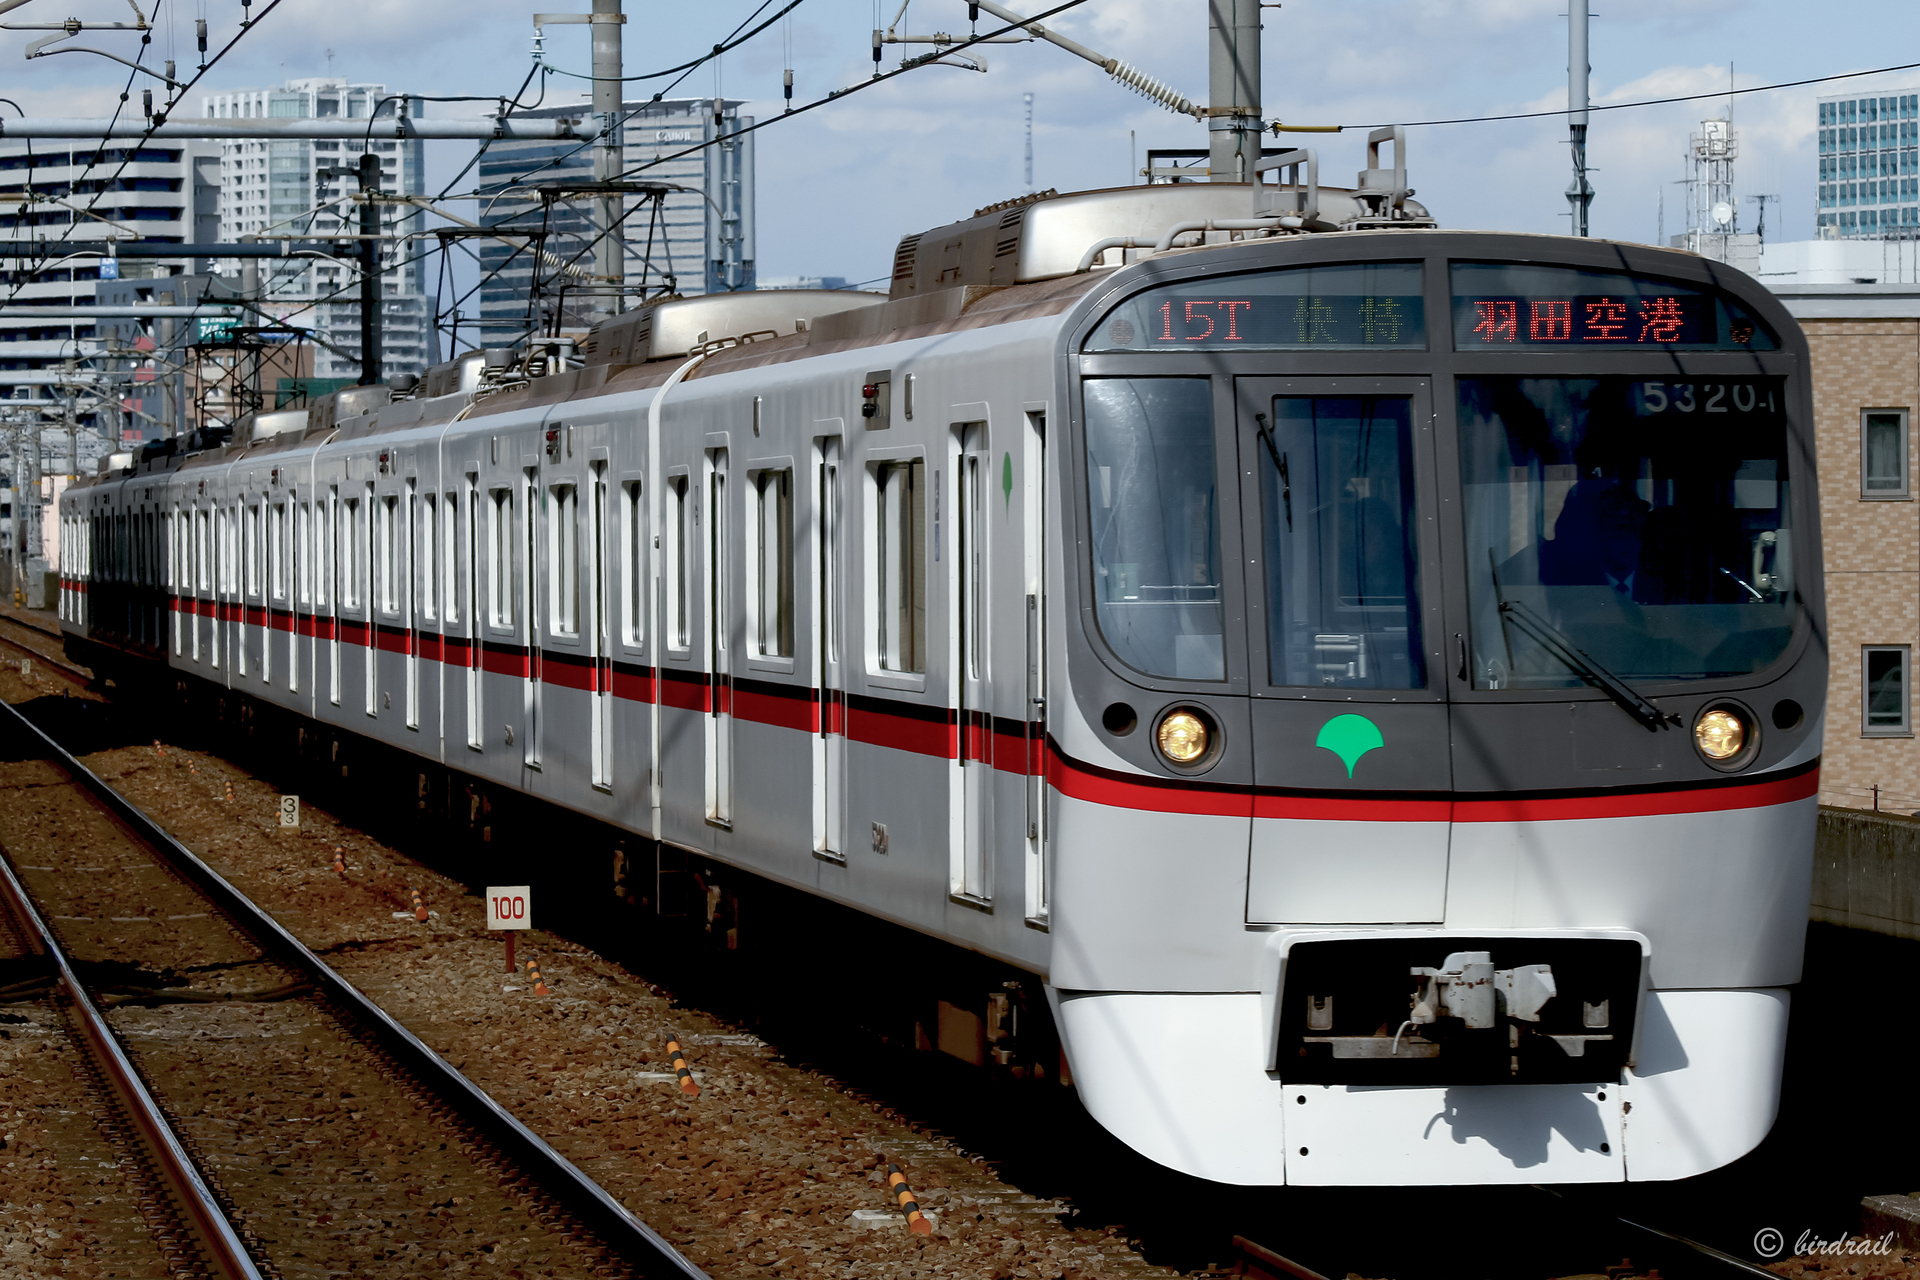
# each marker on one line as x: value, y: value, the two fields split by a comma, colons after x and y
x: 1279, y: 464
x: 1556, y: 642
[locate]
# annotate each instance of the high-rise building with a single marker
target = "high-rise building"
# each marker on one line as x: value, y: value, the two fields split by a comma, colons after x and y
x: 56, y: 253
x: 696, y: 236
x: 1870, y: 166
x: 274, y: 187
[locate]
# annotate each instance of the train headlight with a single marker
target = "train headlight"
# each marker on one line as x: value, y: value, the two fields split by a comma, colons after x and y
x: 1184, y: 738
x: 1721, y: 735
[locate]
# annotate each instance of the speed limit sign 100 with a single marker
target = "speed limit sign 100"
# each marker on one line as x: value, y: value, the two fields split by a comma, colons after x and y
x: 507, y: 906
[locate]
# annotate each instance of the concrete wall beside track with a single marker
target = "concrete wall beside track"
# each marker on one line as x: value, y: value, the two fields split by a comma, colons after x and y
x: 1866, y: 872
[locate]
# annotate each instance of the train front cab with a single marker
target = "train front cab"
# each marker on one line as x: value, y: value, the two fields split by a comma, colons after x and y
x: 1436, y: 801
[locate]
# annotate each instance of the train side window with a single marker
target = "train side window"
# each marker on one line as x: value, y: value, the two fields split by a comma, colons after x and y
x: 563, y: 559
x: 324, y: 526
x: 1886, y: 677
x: 1883, y: 454
x: 900, y: 499
x: 387, y: 543
x: 635, y: 515
x: 277, y: 549
x: 450, y: 554
x: 500, y: 558
x: 350, y: 515
x: 773, y: 563
x: 303, y: 558
x: 679, y: 616
x: 429, y: 562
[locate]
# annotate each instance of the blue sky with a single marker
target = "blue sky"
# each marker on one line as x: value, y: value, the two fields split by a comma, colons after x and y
x: 839, y: 186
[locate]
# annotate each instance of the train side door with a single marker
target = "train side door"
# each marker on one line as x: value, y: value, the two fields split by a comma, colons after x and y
x: 1352, y: 768
x: 830, y: 747
x: 971, y: 874
x: 1033, y: 714
x: 719, y: 609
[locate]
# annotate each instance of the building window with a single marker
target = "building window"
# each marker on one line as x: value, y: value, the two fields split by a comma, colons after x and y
x: 1883, y: 453
x: 1884, y: 675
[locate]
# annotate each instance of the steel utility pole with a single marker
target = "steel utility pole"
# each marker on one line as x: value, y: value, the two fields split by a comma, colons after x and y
x: 1233, y: 86
x: 371, y: 292
x: 609, y: 253
x: 1580, y: 193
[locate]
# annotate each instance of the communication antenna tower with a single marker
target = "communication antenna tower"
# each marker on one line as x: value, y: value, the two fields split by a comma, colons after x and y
x: 1029, y: 98
x: 1712, y: 208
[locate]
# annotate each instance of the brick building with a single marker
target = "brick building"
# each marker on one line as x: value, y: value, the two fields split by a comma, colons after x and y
x: 1865, y: 343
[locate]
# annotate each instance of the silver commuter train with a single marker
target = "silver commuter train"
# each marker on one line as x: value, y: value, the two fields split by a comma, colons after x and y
x: 1375, y: 679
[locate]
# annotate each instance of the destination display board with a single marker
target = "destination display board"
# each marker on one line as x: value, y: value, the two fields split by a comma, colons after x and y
x: 1344, y: 307
x: 1508, y: 306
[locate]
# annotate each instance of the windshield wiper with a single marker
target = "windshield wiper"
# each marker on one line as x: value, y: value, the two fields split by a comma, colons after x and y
x: 1279, y: 464
x: 1556, y: 642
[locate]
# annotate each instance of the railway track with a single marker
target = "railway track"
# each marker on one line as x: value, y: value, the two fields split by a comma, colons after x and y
x: 283, y: 1124
x: 42, y: 647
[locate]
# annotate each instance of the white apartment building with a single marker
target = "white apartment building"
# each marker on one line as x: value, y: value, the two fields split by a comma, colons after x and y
x: 278, y: 188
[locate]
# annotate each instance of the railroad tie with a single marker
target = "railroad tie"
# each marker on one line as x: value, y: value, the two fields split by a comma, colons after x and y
x: 903, y: 1194
x: 420, y: 910
x: 539, y: 983
x: 678, y: 1056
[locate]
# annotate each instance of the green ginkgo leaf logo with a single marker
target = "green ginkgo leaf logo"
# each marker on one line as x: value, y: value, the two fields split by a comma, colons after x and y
x: 1350, y: 737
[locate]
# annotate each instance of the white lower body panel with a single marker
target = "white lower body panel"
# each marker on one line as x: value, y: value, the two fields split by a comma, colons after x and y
x: 1180, y: 1078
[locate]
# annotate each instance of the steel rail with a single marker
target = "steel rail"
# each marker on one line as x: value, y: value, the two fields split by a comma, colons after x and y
x: 618, y: 1228
x: 218, y: 1240
x: 65, y: 670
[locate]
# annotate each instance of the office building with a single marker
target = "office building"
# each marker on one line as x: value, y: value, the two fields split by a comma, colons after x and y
x: 1870, y: 166
x: 695, y: 236
x: 288, y: 188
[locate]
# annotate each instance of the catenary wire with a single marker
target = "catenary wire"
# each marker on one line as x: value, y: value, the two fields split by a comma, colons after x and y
x: 1645, y: 102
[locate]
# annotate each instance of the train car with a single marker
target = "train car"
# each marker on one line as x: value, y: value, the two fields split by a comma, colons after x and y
x: 1371, y: 674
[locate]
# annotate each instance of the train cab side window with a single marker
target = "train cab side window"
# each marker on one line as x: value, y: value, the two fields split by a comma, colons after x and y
x: 773, y: 563
x: 679, y: 538
x: 1886, y: 676
x: 1152, y: 495
x: 1883, y: 454
x: 500, y: 558
x: 632, y: 625
x: 563, y: 559
x: 900, y: 596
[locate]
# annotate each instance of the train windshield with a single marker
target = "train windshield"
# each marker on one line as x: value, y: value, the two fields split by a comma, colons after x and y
x: 1644, y: 521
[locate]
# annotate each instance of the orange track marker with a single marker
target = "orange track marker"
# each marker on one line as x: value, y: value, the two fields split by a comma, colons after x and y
x: 897, y: 1183
x: 688, y: 1085
x: 419, y: 907
x: 539, y: 983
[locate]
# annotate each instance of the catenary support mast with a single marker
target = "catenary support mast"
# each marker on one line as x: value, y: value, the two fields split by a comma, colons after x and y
x: 1580, y: 193
x: 1233, y: 86
x: 609, y: 253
